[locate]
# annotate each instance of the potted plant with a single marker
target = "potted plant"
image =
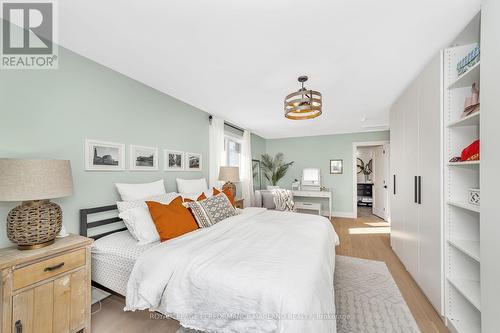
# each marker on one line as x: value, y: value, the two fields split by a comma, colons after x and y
x: 274, y: 168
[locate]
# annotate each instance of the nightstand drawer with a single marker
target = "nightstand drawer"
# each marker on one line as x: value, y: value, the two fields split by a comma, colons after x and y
x: 47, y: 268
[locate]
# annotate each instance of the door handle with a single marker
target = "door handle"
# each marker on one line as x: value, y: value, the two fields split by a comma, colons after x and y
x: 394, y: 184
x: 19, y: 327
x: 419, y: 190
x: 53, y: 268
x: 415, y: 190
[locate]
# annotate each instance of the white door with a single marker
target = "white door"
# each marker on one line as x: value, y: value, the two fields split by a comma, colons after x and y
x: 429, y: 113
x: 380, y: 172
x: 397, y: 203
x: 411, y: 233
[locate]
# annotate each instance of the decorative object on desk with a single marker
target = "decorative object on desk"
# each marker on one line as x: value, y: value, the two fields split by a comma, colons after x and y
x: 470, y: 60
x: 474, y: 196
x: 231, y: 175
x: 37, y: 221
x: 471, y: 152
x: 193, y: 162
x: 143, y: 158
x: 296, y: 185
x: 336, y: 167
x: 173, y: 160
x: 360, y: 165
x: 274, y: 168
x: 471, y: 104
x: 304, y: 103
x: 257, y: 177
x: 104, y: 156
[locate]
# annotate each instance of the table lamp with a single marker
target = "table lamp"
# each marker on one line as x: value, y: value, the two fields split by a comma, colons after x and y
x: 36, y: 222
x: 230, y: 175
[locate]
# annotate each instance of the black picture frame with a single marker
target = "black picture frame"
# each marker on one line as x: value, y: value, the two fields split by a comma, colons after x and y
x: 336, y: 167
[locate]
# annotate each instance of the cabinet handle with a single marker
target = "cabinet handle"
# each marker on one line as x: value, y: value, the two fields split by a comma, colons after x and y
x: 394, y: 184
x: 415, y: 190
x: 53, y: 268
x: 19, y: 327
x: 419, y: 190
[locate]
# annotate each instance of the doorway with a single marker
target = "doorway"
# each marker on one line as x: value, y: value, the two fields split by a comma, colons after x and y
x: 371, y: 179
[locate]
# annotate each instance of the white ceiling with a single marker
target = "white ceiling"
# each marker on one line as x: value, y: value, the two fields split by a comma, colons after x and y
x: 238, y: 59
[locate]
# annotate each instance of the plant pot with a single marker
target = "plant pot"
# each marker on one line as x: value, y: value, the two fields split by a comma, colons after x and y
x: 270, y: 187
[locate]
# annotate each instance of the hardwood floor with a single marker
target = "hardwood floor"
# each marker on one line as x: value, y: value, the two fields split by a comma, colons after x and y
x: 366, y: 237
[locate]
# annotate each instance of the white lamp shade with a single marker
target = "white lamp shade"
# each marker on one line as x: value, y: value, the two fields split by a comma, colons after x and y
x: 24, y: 180
x: 229, y: 174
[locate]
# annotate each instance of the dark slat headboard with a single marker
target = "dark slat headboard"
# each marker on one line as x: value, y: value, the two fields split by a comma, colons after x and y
x: 85, y: 226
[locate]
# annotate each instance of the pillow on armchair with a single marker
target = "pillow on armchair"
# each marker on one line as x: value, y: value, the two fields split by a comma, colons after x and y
x: 264, y: 198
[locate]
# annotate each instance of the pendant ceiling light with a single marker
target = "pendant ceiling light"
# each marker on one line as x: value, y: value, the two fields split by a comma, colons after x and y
x: 303, y: 104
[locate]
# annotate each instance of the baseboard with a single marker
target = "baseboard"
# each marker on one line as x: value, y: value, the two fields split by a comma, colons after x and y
x: 349, y: 215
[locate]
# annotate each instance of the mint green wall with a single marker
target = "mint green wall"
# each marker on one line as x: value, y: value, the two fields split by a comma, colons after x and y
x: 258, y: 146
x: 316, y: 152
x: 49, y: 113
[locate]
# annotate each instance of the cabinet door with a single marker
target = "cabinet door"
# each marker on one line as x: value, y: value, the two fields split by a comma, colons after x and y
x: 22, y: 312
x: 397, y: 174
x: 411, y: 149
x: 57, y: 306
x: 430, y: 168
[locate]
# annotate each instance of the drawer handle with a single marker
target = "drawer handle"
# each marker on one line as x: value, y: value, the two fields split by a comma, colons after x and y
x: 19, y: 327
x: 53, y: 268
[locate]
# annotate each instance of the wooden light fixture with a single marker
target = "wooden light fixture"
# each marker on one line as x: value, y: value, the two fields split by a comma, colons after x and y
x: 304, y: 103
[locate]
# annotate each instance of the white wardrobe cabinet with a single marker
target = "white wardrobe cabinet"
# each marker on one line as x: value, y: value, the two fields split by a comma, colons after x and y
x: 416, y: 168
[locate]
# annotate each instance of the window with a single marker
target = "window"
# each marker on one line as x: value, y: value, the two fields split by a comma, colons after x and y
x: 232, y: 151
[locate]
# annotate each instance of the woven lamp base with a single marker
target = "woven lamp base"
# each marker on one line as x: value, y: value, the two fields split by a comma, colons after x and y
x: 231, y: 187
x: 34, y: 224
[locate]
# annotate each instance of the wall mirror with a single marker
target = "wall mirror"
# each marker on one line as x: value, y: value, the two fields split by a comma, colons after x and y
x: 257, y: 175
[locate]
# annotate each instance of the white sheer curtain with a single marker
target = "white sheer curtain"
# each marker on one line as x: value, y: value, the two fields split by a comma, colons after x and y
x: 215, y: 151
x: 246, y: 174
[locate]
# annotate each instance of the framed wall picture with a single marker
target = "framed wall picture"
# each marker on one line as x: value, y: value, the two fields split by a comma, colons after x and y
x: 193, y: 162
x: 336, y: 167
x: 143, y: 158
x: 173, y: 160
x: 104, y: 156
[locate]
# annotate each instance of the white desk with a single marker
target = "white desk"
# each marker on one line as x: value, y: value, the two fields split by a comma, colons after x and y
x: 316, y: 194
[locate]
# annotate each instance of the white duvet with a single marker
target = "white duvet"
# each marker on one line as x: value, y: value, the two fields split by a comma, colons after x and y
x: 260, y: 271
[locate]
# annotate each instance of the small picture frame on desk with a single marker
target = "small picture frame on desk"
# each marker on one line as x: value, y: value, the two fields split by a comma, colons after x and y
x: 336, y: 167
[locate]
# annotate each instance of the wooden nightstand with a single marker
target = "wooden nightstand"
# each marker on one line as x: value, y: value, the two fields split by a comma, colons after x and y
x: 239, y: 203
x: 47, y: 289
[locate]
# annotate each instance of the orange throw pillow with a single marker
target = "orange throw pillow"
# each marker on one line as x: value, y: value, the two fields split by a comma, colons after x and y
x: 227, y: 192
x: 202, y: 196
x: 172, y: 220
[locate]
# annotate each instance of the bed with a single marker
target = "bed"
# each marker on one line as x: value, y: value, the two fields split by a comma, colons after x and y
x: 258, y: 271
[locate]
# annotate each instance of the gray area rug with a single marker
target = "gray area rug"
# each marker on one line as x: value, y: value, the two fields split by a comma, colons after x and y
x: 367, y: 299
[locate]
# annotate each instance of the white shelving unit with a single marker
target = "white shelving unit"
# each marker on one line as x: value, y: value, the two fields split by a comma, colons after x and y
x: 461, y: 219
x: 466, y: 163
x: 470, y: 120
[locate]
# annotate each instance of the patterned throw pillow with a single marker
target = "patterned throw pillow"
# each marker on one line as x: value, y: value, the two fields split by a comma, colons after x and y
x: 212, y: 210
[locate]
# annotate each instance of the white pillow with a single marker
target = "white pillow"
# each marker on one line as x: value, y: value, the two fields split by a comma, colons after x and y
x: 135, y: 214
x: 140, y: 225
x: 194, y: 196
x: 191, y: 185
x: 130, y: 192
